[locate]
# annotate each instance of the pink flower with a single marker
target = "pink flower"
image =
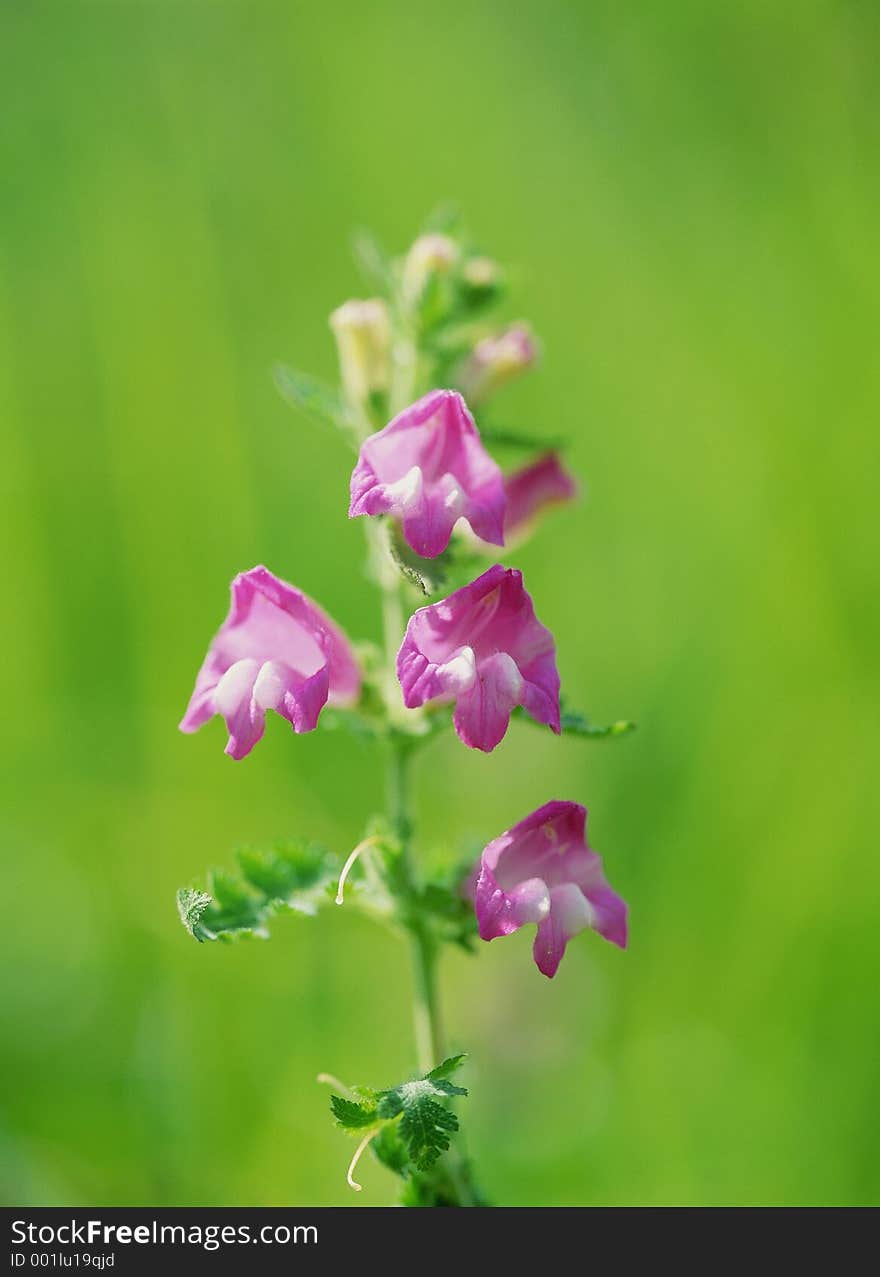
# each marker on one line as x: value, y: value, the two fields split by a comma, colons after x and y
x: 532, y: 489
x: 542, y: 871
x: 275, y: 650
x: 496, y: 360
x: 484, y: 648
x: 429, y: 469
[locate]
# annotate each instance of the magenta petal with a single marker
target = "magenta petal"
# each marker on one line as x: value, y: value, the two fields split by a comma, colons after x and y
x: 542, y: 871
x: 429, y: 469
x: 610, y: 914
x: 275, y: 650
x: 533, y: 489
x: 482, y: 713
x: 500, y: 913
x: 549, y: 946
x: 483, y: 648
x: 233, y: 698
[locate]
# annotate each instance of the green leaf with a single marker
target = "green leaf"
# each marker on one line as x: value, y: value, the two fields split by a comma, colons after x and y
x: 574, y: 724
x: 425, y: 1125
x: 191, y: 904
x: 445, y: 219
x: 288, y: 876
x: 450, y: 912
x: 499, y: 437
x: 450, y: 1065
x: 427, y: 575
x: 312, y: 397
x: 390, y: 1150
x: 352, y: 1116
x: 288, y: 872
x: 454, y: 567
x: 372, y: 260
x: 426, y: 1128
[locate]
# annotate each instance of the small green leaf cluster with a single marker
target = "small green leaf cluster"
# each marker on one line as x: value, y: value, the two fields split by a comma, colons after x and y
x: 292, y: 876
x: 409, y: 1127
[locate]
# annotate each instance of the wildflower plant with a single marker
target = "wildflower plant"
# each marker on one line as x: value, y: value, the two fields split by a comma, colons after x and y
x: 420, y: 365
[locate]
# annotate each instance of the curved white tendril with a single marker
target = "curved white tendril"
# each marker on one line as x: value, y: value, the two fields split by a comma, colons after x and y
x: 346, y: 868
x: 330, y: 1079
x: 357, y: 1157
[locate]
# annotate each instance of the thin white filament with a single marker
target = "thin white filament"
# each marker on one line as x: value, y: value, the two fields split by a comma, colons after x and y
x: 330, y: 1079
x: 352, y: 1183
x: 346, y: 868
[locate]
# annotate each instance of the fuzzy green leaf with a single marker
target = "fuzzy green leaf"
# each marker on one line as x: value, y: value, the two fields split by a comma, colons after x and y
x: 574, y: 724
x: 445, y: 219
x: 426, y: 1128
x: 288, y: 876
x: 427, y: 575
x: 191, y: 905
x: 371, y: 259
x: 390, y: 1150
x: 454, y: 567
x: 351, y: 1115
x: 312, y: 397
x: 425, y: 1125
x: 451, y: 913
x: 499, y: 437
x: 450, y: 1065
x: 282, y: 869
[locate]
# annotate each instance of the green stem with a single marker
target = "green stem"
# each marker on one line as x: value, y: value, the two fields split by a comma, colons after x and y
x: 426, y: 1003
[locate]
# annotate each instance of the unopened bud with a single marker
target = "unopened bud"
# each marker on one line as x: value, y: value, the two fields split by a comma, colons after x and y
x: 481, y: 279
x: 363, y: 339
x: 430, y: 256
x: 496, y: 360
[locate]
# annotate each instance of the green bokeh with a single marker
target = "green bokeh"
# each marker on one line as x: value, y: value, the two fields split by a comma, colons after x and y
x: 689, y: 193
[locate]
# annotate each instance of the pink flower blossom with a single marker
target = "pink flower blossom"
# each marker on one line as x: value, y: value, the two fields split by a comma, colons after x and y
x: 429, y: 469
x: 484, y: 648
x: 542, y: 871
x: 532, y: 490
x: 275, y: 650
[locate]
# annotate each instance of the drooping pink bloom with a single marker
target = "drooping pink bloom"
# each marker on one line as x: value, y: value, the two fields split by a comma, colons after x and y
x: 533, y: 489
x: 542, y: 871
x: 484, y: 648
x: 429, y: 469
x: 275, y: 650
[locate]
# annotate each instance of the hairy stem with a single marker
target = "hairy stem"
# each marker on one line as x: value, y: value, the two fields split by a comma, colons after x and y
x: 399, y: 765
x: 426, y: 1005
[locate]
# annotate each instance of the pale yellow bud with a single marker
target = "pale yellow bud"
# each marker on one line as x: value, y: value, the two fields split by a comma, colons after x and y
x: 363, y: 340
x: 429, y: 255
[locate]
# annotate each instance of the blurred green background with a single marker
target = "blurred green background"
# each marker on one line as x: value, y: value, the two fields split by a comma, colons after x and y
x: 688, y: 192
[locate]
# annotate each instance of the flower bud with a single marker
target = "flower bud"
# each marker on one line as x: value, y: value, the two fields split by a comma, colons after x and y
x: 363, y: 339
x: 481, y: 280
x: 430, y: 256
x: 496, y: 360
